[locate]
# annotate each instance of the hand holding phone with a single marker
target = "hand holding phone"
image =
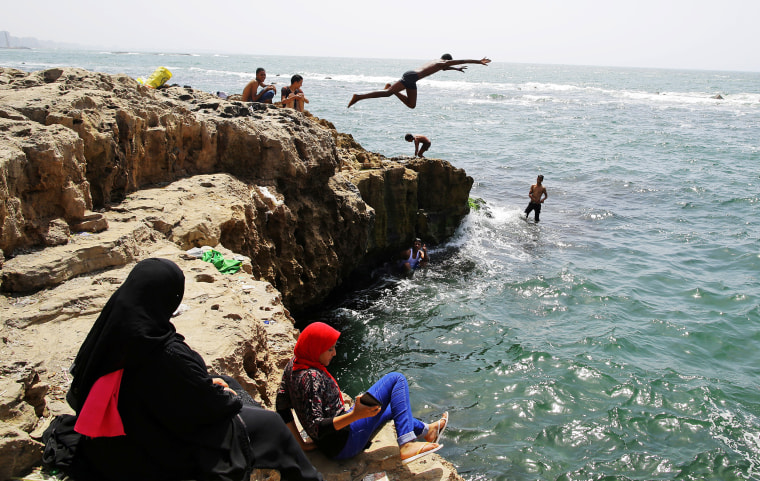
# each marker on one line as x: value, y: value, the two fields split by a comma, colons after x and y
x: 369, y: 400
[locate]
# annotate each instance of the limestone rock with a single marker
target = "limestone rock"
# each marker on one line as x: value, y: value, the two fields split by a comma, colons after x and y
x: 91, y: 223
x: 19, y: 453
x: 98, y: 172
x: 75, y: 144
x: 383, y: 455
x: 22, y: 404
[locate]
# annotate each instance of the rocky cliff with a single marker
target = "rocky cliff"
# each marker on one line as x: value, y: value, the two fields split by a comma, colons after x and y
x: 98, y: 172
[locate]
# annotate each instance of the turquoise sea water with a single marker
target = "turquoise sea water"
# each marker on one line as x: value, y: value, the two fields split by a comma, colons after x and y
x: 618, y: 338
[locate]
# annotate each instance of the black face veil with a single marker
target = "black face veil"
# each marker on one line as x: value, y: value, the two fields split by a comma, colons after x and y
x: 135, y: 321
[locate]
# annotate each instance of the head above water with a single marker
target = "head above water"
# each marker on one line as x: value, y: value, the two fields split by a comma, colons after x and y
x: 540, y: 178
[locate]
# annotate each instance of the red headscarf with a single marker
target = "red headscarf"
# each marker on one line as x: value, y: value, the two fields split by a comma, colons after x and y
x: 317, y: 338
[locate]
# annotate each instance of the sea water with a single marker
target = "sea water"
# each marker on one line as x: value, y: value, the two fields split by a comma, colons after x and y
x: 616, y: 339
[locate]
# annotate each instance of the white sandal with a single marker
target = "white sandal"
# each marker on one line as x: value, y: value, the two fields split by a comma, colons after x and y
x: 421, y: 453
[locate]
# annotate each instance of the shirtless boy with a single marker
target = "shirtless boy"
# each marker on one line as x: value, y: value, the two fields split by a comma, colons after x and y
x: 537, y: 196
x: 418, y: 139
x: 409, y: 80
x: 265, y: 95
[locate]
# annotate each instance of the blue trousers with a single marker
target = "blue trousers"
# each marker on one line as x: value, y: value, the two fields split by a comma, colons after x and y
x: 268, y: 95
x: 392, y: 390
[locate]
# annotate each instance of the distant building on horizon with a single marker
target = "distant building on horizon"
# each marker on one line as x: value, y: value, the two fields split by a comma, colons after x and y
x: 9, y: 41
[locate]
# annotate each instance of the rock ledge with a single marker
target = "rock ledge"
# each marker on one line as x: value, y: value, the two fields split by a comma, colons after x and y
x: 98, y: 172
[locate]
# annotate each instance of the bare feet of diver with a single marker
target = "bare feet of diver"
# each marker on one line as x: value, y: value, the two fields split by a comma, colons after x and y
x: 353, y: 101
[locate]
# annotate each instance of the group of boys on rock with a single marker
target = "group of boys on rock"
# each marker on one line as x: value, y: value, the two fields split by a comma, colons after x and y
x: 291, y: 96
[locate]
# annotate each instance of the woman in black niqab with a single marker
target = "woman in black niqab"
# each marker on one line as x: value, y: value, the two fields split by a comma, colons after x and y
x: 134, y: 322
x: 178, y: 422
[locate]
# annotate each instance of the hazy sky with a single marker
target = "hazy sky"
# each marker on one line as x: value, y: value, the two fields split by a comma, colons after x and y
x: 643, y: 33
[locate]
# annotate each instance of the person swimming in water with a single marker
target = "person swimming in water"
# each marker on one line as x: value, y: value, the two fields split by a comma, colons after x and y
x: 414, y: 258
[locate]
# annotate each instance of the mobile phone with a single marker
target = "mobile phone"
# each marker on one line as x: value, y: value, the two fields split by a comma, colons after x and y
x: 369, y: 400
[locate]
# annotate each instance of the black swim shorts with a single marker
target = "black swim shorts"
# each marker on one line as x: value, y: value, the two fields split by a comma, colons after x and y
x: 409, y: 79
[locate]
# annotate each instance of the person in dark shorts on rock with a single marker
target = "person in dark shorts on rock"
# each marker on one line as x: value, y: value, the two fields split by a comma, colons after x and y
x: 537, y: 196
x: 409, y: 80
x: 421, y: 143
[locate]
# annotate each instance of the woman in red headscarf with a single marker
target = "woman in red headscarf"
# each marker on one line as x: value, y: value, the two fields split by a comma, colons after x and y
x: 339, y: 431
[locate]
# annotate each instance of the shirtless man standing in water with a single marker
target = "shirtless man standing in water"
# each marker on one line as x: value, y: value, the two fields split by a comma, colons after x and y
x: 537, y: 191
x: 409, y: 80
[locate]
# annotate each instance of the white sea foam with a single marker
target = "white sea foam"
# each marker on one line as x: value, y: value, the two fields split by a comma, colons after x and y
x: 531, y: 93
x: 243, y: 75
x: 265, y: 192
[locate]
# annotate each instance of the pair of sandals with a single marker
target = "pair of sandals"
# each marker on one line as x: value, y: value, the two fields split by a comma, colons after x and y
x: 421, y: 452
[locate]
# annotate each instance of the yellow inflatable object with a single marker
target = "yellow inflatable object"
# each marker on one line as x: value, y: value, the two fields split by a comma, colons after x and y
x: 157, y: 78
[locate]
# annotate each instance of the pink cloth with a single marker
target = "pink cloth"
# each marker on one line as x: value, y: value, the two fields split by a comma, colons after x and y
x: 99, y: 416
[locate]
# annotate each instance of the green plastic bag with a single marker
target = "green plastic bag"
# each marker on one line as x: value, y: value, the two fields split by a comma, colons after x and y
x: 223, y: 265
x: 159, y: 77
